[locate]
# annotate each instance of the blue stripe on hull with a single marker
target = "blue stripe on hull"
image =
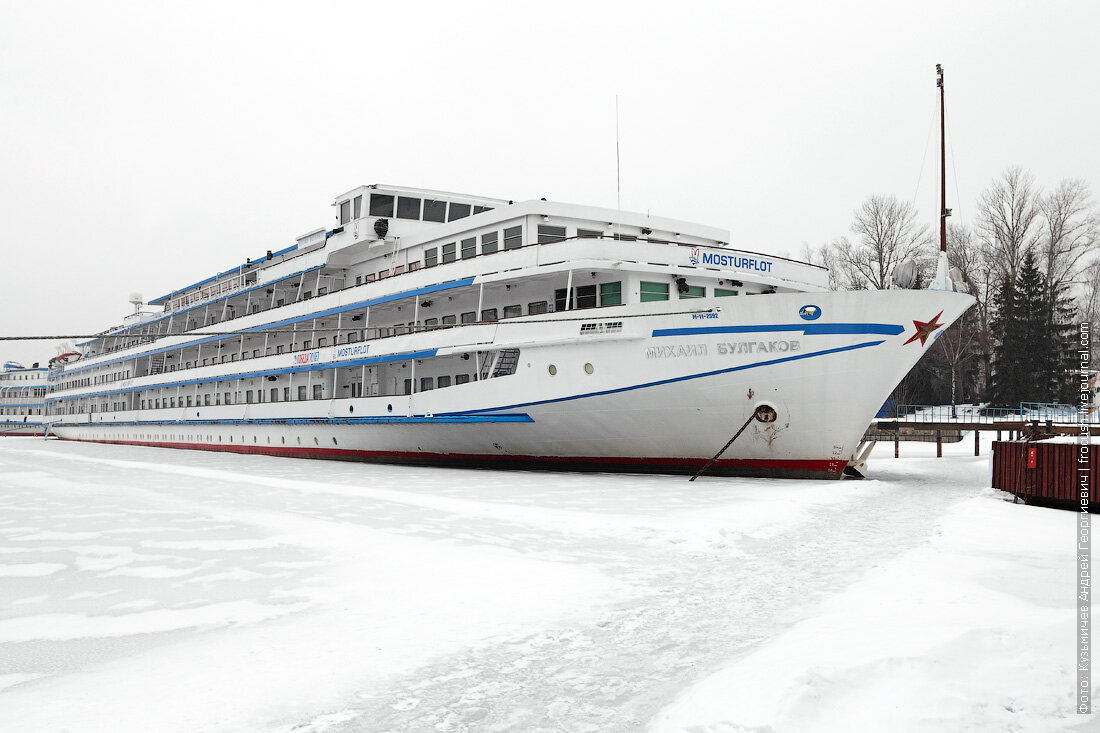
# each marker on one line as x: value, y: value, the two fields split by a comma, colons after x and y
x: 809, y: 329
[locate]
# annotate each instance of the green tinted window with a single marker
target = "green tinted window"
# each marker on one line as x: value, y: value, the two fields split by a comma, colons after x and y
x: 654, y: 291
x: 611, y: 293
x: 720, y: 293
x: 694, y: 291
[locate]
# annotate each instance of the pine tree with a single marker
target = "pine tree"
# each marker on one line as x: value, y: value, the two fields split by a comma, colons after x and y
x: 1035, y: 347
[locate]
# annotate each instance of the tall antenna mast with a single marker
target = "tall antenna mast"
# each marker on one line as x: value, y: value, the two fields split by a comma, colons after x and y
x: 944, y: 211
x: 943, y: 275
x: 618, y: 177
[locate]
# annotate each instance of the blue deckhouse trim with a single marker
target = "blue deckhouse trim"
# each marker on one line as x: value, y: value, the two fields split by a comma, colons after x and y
x: 286, y: 322
x: 379, y: 420
x: 238, y: 269
x: 385, y: 358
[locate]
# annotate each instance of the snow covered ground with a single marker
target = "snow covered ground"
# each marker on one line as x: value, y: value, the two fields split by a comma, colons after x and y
x: 156, y: 590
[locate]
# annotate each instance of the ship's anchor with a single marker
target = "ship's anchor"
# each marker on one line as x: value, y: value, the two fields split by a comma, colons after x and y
x: 763, y: 413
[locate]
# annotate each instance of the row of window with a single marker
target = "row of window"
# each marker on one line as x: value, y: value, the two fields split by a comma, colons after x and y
x: 408, y: 207
x: 660, y: 291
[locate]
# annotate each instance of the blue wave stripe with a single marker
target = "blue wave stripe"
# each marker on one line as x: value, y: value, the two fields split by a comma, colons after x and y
x: 742, y: 367
x: 810, y: 329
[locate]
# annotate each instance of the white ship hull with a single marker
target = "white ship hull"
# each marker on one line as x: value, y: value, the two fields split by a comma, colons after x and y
x: 665, y: 391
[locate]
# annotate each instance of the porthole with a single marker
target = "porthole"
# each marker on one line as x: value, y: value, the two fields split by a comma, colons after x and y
x: 299, y: 440
x: 283, y: 438
x: 254, y: 438
x: 351, y: 408
x: 334, y: 440
x: 315, y: 441
x: 389, y: 408
x: 552, y: 369
x: 588, y: 368
x: 269, y: 440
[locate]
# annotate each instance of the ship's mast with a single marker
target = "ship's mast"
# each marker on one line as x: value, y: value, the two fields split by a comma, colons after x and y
x: 944, y: 211
x: 943, y: 277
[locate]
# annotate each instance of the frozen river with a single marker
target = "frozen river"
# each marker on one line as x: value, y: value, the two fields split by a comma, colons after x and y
x: 158, y: 590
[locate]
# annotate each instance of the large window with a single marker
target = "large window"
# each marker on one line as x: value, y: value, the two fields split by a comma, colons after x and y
x: 345, y: 212
x: 511, y: 311
x: 550, y: 234
x: 458, y: 211
x: 381, y: 204
x: 611, y: 293
x: 469, y: 317
x: 589, y: 233
x: 435, y: 210
x: 427, y: 383
x: 357, y: 207
x: 469, y: 248
x: 479, y: 209
x: 444, y: 381
x: 488, y: 243
x: 693, y: 291
x: 430, y: 256
x: 513, y: 237
x: 534, y: 309
x: 449, y: 252
x: 654, y: 291
x: 586, y: 296
x: 489, y: 314
x: 408, y: 208
x: 720, y: 293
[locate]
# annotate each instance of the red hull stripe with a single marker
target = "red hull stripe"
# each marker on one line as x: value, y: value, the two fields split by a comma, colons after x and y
x: 779, y: 468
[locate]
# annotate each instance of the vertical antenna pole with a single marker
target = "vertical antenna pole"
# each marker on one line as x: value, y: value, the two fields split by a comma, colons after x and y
x: 618, y: 176
x: 944, y: 212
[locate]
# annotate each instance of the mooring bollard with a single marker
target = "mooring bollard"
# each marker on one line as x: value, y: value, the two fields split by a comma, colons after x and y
x: 939, y: 444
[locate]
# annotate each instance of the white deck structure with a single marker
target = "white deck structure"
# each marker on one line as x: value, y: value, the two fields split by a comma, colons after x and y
x: 22, y: 399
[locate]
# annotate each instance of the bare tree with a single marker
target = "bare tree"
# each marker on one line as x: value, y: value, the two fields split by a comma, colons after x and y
x: 888, y: 234
x: 1088, y: 303
x: 822, y: 256
x: 1009, y: 222
x: 1071, y: 234
x: 966, y: 252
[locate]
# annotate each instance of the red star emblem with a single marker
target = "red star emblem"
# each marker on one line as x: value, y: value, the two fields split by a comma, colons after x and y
x: 924, y: 330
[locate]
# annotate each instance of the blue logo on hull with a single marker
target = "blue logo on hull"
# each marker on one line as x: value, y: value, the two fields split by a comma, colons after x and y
x: 809, y: 312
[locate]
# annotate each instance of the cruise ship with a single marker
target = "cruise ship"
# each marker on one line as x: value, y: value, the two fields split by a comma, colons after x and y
x: 435, y: 328
x: 22, y: 399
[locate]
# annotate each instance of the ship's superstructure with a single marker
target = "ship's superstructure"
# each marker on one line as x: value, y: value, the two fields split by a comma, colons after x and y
x: 431, y: 327
x: 22, y: 399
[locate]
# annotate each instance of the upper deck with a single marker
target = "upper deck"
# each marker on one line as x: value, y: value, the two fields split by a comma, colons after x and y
x: 385, y: 232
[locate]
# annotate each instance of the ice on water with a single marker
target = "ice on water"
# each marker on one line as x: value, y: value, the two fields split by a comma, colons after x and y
x: 147, y: 589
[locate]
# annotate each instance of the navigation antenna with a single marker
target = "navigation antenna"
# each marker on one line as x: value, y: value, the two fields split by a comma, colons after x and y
x: 943, y: 279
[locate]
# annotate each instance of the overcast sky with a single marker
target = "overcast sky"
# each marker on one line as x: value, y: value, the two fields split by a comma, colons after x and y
x: 144, y: 146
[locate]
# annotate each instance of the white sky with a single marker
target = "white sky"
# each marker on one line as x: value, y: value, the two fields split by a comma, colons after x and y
x: 144, y: 146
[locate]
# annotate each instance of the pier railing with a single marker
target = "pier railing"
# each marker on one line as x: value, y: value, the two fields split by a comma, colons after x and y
x: 1027, y: 412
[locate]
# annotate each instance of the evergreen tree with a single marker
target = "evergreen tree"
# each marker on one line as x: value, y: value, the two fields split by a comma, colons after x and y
x: 1034, y: 332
